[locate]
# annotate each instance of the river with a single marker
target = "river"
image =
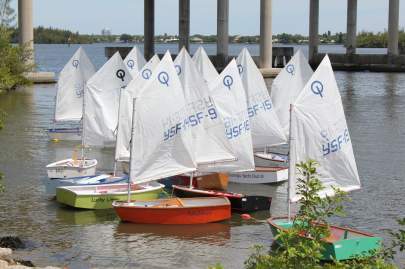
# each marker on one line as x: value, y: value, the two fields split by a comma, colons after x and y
x: 375, y: 111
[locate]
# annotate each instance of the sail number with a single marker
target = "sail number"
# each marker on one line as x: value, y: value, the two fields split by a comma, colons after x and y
x: 190, y: 121
x: 255, y: 109
x: 233, y: 131
x: 336, y: 144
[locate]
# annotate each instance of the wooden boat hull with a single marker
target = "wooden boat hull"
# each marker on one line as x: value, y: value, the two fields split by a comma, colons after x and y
x: 191, y: 211
x: 212, y: 181
x: 69, y: 168
x: 239, y: 202
x: 102, y: 196
x: 262, y: 175
x: 52, y: 184
x: 65, y: 134
x: 342, y: 244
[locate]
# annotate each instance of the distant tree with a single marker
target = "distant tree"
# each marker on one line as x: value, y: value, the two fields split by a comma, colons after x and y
x: 126, y: 38
x: 7, y: 14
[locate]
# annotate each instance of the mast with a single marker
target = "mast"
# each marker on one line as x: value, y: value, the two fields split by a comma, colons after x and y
x: 116, y: 136
x: 83, y: 127
x: 54, y: 110
x: 291, y: 164
x: 131, y: 144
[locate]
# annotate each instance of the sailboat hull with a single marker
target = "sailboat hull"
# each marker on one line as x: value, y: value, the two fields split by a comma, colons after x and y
x: 239, y: 202
x: 342, y: 244
x: 52, y: 184
x: 65, y: 134
x: 69, y: 168
x: 261, y: 175
x: 175, y: 211
x: 102, y: 196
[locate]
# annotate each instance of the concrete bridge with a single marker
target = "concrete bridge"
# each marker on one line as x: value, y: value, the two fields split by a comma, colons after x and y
x: 25, y: 21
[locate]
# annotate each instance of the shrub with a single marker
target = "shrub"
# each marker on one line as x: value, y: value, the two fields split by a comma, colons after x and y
x: 295, y: 251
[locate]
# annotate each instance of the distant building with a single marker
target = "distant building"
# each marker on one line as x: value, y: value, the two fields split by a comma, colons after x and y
x: 196, y: 40
x: 106, y: 32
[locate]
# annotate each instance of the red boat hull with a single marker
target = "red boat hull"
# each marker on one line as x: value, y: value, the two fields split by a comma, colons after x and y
x: 174, y: 215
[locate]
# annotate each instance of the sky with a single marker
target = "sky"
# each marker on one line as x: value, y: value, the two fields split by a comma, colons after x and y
x: 126, y: 16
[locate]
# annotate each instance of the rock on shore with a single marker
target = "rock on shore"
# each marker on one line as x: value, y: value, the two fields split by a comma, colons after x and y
x: 7, y: 262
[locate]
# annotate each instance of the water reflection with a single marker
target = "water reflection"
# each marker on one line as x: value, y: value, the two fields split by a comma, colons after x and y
x: 68, y: 216
x: 211, y: 233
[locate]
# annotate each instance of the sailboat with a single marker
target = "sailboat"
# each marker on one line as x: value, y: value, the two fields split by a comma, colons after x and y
x: 227, y: 100
x: 161, y: 146
x: 134, y: 61
x: 69, y: 96
x: 70, y: 106
x: 204, y: 65
x: 264, y: 123
x: 100, y: 116
x: 319, y: 131
x: 125, y: 112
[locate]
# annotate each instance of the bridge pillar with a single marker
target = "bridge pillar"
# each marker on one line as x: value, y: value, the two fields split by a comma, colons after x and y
x: 313, y: 29
x: 266, y: 45
x: 222, y: 32
x: 184, y: 24
x: 25, y: 25
x: 149, y: 28
x: 393, y: 27
x: 351, y: 27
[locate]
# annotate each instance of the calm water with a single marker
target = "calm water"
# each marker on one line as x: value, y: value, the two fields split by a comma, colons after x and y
x: 375, y: 110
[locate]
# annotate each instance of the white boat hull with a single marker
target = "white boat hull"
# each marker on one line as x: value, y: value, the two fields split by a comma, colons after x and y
x: 65, y: 134
x: 53, y: 183
x: 69, y: 168
x: 260, y: 176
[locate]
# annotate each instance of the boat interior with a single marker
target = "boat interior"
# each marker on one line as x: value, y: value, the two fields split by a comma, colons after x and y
x: 180, y: 202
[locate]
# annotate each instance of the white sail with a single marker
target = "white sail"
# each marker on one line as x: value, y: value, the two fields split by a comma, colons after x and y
x: 71, y: 83
x: 319, y: 132
x: 134, y: 61
x: 265, y: 125
x: 287, y: 86
x: 210, y: 144
x: 204, y: 65
x: 102, y: 101
x: 230, y: 99
x: 136, y: 85
x: 125, y: 108
x: 161, y: 141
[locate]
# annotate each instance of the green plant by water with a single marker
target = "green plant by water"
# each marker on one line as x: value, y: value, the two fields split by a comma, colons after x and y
x: 296, y: 251
x: 14, y: 59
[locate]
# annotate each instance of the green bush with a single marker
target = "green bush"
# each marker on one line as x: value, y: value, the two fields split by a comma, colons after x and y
x: 295, y: 251
x: 13, y: 62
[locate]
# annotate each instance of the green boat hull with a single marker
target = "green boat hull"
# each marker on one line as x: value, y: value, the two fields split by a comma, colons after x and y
x: 351, y: 244
x: 101, y: 201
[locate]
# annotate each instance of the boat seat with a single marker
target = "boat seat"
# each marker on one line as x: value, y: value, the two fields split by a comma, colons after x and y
x: 174, y: 202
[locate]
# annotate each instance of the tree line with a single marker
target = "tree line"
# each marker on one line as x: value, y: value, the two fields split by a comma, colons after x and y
x: 50, y: 35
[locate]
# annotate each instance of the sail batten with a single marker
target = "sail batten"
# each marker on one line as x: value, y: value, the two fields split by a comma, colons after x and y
x: 321, y: 133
